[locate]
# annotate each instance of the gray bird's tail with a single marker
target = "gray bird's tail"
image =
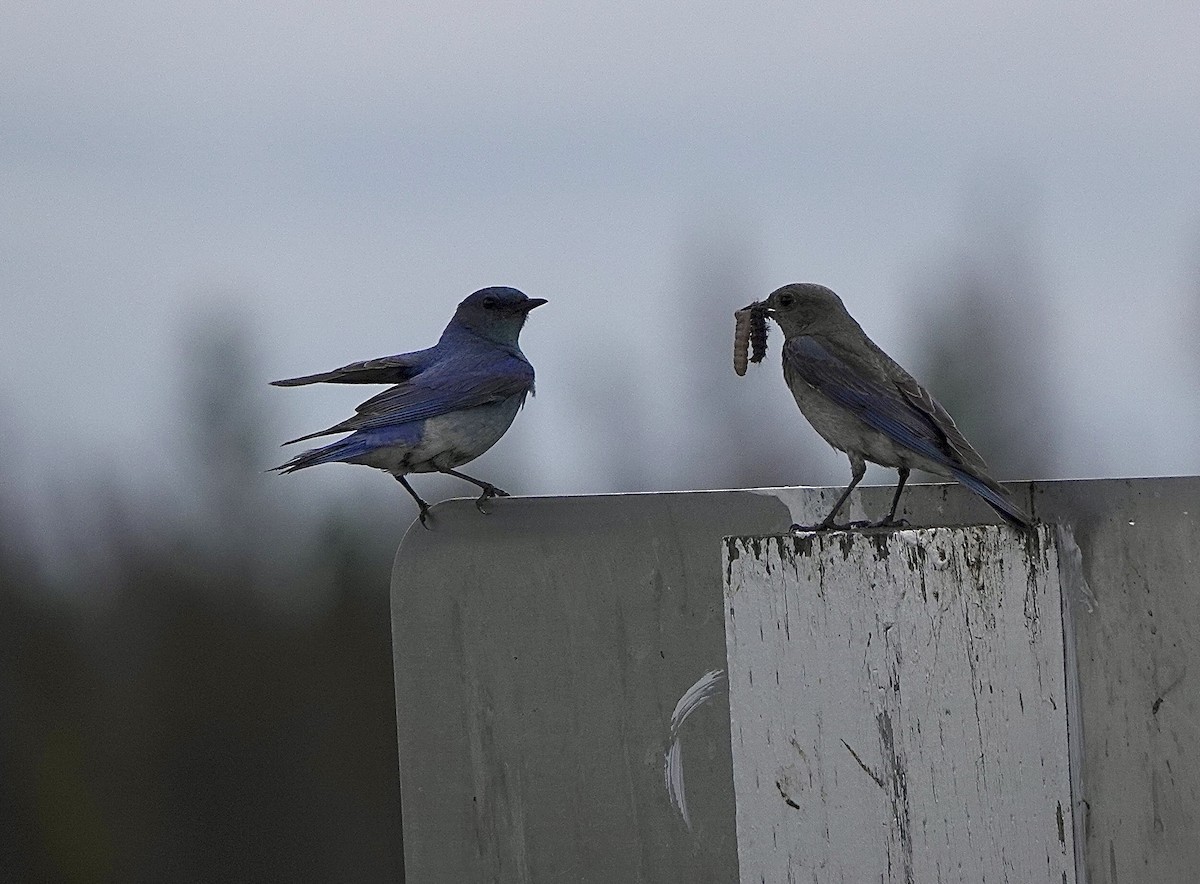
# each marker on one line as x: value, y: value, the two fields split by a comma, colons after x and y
x: 996, y: 497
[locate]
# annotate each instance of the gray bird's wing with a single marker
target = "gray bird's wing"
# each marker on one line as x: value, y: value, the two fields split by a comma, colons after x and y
x: 445, y: 387
x: 920, y: 398
x: 385, y: 370
x: 889, y: 401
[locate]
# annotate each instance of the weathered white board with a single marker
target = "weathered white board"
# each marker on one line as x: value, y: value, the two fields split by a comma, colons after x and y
x: 898, y: 707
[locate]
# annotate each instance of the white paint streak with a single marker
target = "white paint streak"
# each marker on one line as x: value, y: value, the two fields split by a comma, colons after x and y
x: 1070, y: 559
x: 809, y: 505
x: 516, y: 832
x: 693, y: 698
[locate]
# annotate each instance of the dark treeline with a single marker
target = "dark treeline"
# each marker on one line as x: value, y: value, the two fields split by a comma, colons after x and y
x: 202, y: 692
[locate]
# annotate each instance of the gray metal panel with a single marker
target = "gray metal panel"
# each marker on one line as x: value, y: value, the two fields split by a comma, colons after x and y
x: 539, y: 653
x: 898, y: 707
x: 1138, y: 658
x: 540, y: 650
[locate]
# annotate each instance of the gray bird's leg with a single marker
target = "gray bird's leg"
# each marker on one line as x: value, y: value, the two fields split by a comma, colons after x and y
x: 858, y: 469
x: 420, y: 503
x: 489, y: 490
x: 890, y: 518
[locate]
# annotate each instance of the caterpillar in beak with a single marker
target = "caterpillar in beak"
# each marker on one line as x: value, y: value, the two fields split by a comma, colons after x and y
x: 749, y: 336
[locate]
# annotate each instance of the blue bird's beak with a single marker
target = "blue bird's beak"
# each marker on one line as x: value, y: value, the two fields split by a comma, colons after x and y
x: 531, y: 303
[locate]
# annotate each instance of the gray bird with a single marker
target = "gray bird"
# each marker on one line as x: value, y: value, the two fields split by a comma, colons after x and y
x: 866, y: 405
x: 450, y: 403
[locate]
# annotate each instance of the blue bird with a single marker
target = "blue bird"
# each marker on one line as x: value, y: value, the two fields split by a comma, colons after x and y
x: 864, y: 404
x: 450, y: 403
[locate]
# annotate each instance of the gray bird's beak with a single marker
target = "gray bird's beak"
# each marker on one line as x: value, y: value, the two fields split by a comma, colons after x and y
x: 531, y: 303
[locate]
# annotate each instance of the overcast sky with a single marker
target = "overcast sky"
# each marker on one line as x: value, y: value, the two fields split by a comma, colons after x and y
x: 343, y: 174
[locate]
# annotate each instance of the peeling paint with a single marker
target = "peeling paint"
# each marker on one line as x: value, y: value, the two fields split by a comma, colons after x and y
x: 896, y: 776
x: 733, y: 552
x: 787, y: 799
x: 801, y: 546
x: 875, y: 778
x: 881, y: 541
x: 901, y: 640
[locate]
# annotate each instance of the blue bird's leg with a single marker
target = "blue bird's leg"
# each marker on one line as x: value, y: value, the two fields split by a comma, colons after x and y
x: 890, y: 519
x: 489, y: 490
x: 420, y: 503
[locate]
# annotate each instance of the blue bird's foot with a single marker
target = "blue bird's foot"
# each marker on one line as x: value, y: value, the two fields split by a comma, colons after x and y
x: 489, y: 491
x: 890, y: 522
x: 424, y: 517
x: 422, y: 505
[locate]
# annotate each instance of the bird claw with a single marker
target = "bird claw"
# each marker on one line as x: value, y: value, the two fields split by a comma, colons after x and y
x: 797, y: 529
x: 829, y: 526
x: 489, y: 491
x: 424, y: 517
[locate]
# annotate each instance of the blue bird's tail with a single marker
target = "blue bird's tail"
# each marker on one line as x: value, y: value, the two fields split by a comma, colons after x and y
x: 337, y: 452
x: 996, y: 497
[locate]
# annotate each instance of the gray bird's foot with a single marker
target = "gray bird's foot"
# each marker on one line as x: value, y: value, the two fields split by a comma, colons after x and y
x: 810, y: 529
x: 489, y: 491
x: 829, y: 526
x: 424, y: 517
x: 890, y: 522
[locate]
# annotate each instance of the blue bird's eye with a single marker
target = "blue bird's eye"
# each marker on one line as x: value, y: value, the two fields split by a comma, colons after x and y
x: 785, y: 300
x: 489, y: 303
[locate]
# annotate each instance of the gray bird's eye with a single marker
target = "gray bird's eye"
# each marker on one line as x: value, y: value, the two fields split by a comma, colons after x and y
x: 489, y: 303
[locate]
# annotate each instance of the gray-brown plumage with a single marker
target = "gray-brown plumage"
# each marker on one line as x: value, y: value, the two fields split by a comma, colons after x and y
x: 864, y: 404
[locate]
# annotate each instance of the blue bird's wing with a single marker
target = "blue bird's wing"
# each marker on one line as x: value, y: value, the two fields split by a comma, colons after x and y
x: 447, y: 386
x: 897, y: 407
x: 385, y: 370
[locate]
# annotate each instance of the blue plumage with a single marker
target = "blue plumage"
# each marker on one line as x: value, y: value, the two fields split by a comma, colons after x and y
x: 450, y: 403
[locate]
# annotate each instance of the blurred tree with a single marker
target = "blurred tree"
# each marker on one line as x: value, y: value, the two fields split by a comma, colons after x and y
x: 622, y: 463
x: 1189, y: 332
x: 986, y: 346
x: 166, y: 715
x: 719, y: 430
x: 225, y: 412
x: 51, y: 823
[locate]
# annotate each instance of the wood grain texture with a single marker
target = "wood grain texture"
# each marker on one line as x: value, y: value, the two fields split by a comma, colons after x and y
x: 897, y: 707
